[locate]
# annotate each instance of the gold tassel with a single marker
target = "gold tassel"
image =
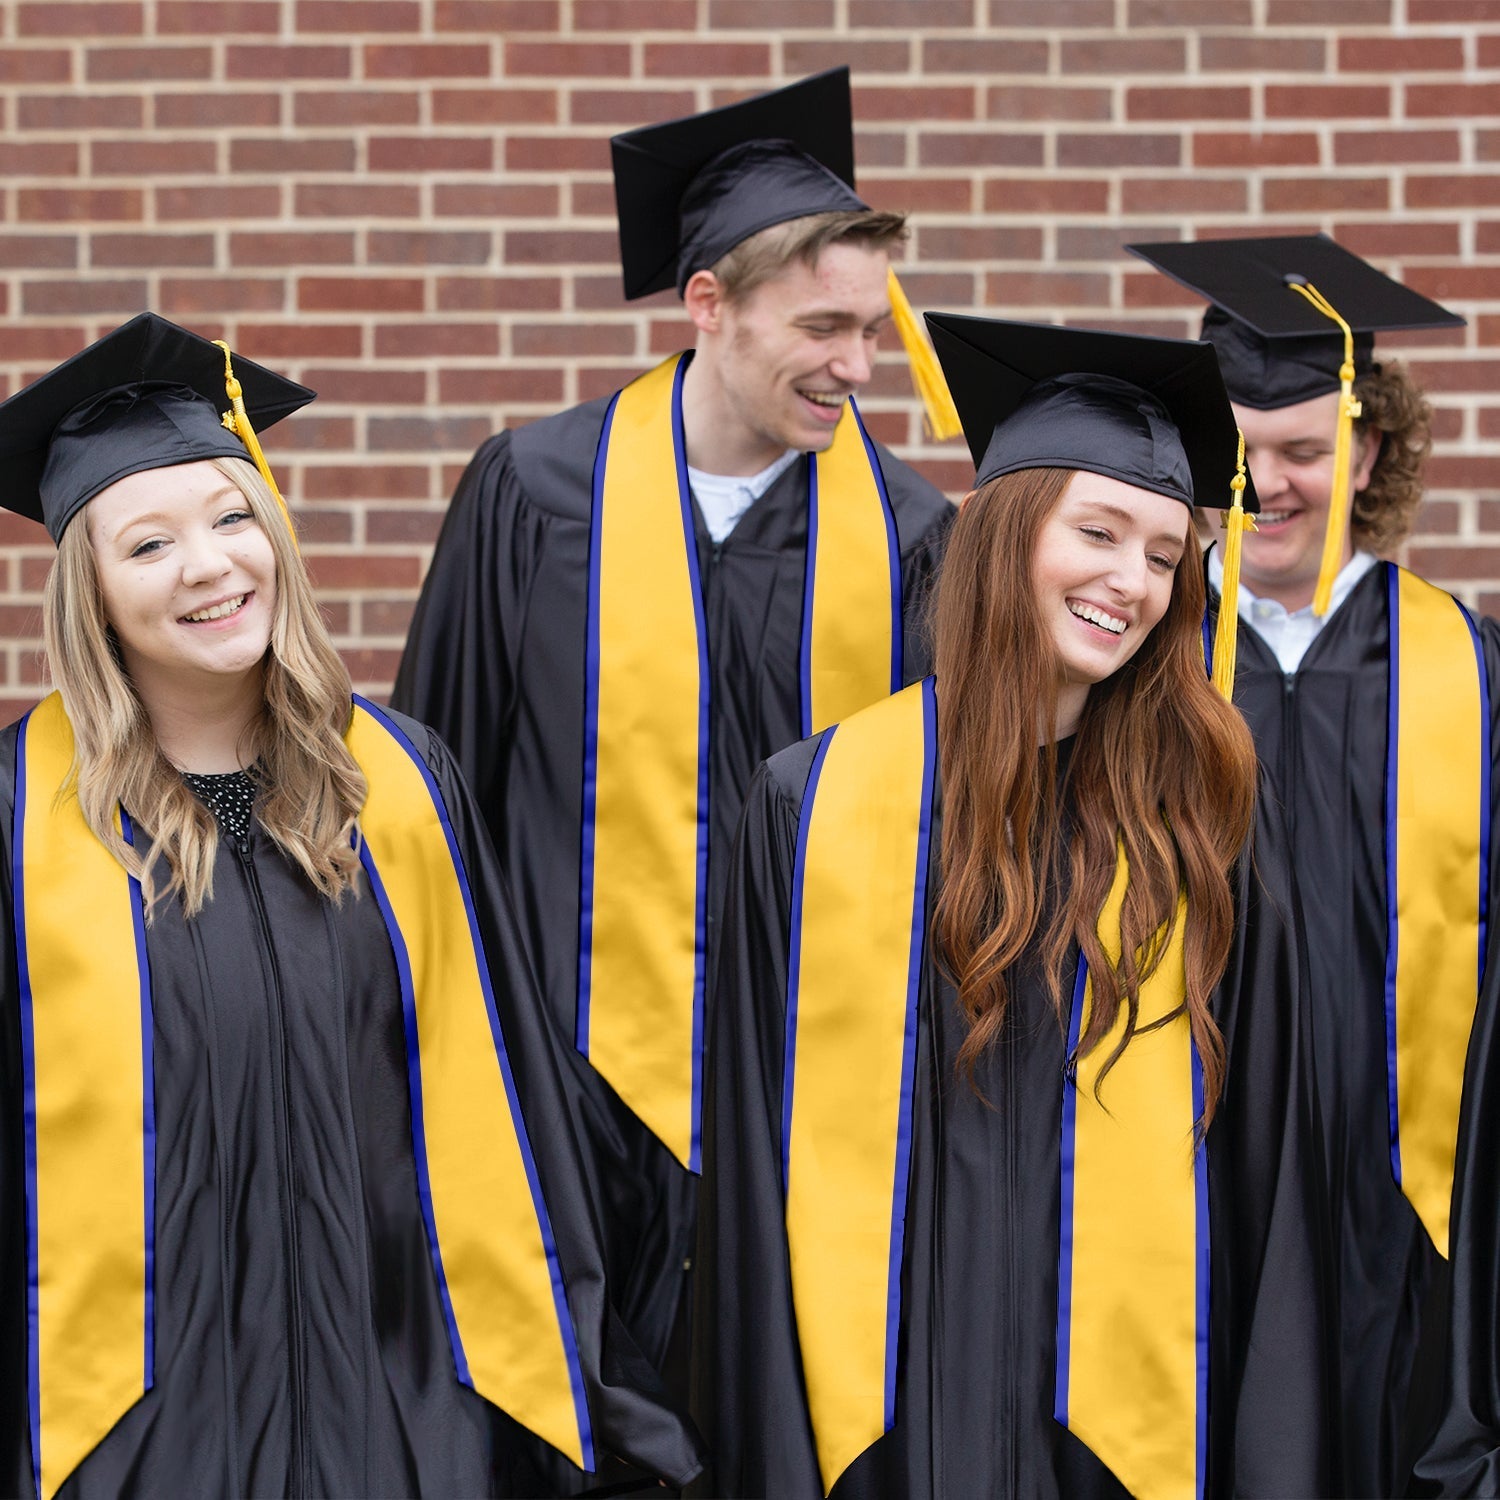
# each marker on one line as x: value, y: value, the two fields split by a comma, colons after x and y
x: 237, y: 420
x: 1236, y: 522
x: 1338, y: 496
x: 926, y: 373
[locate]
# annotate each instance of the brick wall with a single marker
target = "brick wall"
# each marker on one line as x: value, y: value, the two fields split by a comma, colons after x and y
x: 406, y: 204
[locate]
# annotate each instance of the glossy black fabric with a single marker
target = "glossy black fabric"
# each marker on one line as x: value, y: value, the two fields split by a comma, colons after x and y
x: 979, y: 1283
x: 300, y: 1345
x: 1322, y: 732
x: 495, y: 662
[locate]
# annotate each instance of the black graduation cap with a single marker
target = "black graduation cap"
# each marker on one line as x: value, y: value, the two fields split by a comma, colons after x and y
x: 690, y: 190
x: 1151, y: 412
x: 1275, y: 347
x: 147, y: 396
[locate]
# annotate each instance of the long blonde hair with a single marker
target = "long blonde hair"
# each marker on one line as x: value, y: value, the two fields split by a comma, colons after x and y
x: 310, y: 789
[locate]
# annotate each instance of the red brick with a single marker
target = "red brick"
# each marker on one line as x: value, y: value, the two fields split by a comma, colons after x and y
x: 1447, y: 424
x: 567, y: 59
x: 548, y: 153
x: 1426, y: 12
x: 1328, y: 13
x: 494, y: 106
x: 496, y: 17
x: 1077, y: 242
x: 1471, y: 191
x: 988, y: 55
x: 387, y: 617
x: 1154, y: 290
x: 1118, y: 149
x: 860, y: 54
x: 1478, y: 375
x: 430, y: 61
x: 40, y: 159
x: 1455, y: 562
x: 1261, y: 54
x: 306, y: 433
x: 545, y: 340
x: 1271, y: 149
x: 431, y: 153
x: 435, y: 434
x: 1046, y: 195
x: 301, y: 340
x: 80, y: 111
x: 1043, y: 289
x: 548, y: 247
x: 1489, y: 52
x: 937, y: 288
x: 361, y: 386
x: 206, y: 110
x: 925, y: 194
x: 63, y: 205
x: 487, y: 386
x: 1280, y: 195
x: 707, y: 59
x: 1124, y: 55
x: 1382, y: 148
x: 1316, y: 101
x: 324, y: 527
x: 284, y: 247
x: 279, y: 154
x: 50, y: 252
x: 284, y: 63
x: 153, y: 158
x: 149, y: 251
x: 357, y: 200
x: 1026, y: 103
x: 392, y: 527
x: 1089, y: 15
x: 627, y: 107
x: 357, y: 107
x: 1489, y: 417
x: 496, y: 200
x: 1190, y: 13
x: 1414, y: 237
x: 364, y: 294
x: 916, y: 103
x: 1446, y: 283
x: 596, y: 200
x: 875, y: 148
x: 910, y: 15
x: 978, y: 242
x: 218, y: 17
x: 147, y: 64
x: 1437, y: 517
x: 363, y: 570
x: 364, y: 482
x: 1429, y: 100
x: 50, y: 344
x: 438, y: 247
x: 1468, y: 471
x: 638, y: 15
x: 1400, y: 55
x: 218, y: 203
x: 498, y: 293
x: 214, y: 296
x: 1205, y: 103
x: 357, y: 15
x: 82, y: 18
x: 978, y: 149
x: 427, y: 339
x: 770, y: 15
x: 33, y: 65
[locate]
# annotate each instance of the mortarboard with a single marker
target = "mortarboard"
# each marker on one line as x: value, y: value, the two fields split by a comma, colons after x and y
x: 149, y: 395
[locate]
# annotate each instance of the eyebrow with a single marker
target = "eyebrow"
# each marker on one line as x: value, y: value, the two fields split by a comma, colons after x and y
x: 159, y: 518
x: 1120, y: 513
x: 841, y: 316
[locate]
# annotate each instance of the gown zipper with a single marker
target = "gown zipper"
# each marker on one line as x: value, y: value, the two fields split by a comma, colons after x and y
x: 298, y: 1458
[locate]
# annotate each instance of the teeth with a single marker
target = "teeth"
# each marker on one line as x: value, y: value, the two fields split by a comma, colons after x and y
x: 1274, y: 517
x: 822, y: 398
x: 218, y: 611
x: 1096, y: 616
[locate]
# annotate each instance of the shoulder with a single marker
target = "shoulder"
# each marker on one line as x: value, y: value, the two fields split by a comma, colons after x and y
x: 784, y: 775
x: 553, y: 459
x: 424, y: 742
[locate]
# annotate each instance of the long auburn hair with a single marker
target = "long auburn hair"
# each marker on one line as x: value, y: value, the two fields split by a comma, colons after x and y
x: 310, y: 789
x: 1161, y: 764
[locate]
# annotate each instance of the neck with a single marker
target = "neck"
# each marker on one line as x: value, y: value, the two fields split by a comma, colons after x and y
x: 1071, y: 696
x: 1291, y: 594
x: 717, y: 440
x: 203, y: 726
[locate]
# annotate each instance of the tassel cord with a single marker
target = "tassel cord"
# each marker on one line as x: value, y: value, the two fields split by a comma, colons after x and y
x: 1236, y: 522
x: 237, y: 420
x: 926, y: 372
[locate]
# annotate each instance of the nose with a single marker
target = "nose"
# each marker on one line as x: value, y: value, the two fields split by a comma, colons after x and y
x: 853, y: 360
x: 1130, y: 574
x: 204, y: 558
x: 1267, y: 473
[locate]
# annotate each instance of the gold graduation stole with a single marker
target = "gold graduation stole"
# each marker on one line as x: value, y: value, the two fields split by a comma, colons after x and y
x: 1132, y: 1300
x: 90, y: 1129
x: 1437, y: 819
x: 643, y: 885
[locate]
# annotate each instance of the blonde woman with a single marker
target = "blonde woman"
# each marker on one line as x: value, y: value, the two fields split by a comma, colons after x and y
x: 290, y: 1201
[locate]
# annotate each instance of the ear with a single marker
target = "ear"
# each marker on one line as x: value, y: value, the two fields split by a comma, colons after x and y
x: 703, y: 297
x: 967, y: 498
x: 1367, y: 443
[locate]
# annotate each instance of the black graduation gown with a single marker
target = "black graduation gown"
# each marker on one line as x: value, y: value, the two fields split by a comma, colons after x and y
x: 977, y: 1357
x: 300, y: 1343
x: 1321, y: 731
x: 495, y: 663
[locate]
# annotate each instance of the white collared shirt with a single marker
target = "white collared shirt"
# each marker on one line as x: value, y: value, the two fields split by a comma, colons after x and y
x: 724, y: 498
x: 1290, y: 632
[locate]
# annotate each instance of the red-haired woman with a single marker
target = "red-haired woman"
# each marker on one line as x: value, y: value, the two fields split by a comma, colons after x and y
x: 1012, y: 1187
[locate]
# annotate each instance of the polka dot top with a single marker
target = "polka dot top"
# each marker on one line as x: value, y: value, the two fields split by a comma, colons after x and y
x: 228, y: 795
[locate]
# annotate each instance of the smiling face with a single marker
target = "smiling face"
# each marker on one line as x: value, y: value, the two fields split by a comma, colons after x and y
x: 1102, y: 571
x: 1289, y: 453
x: 187, y: 576
x: 788, y: 354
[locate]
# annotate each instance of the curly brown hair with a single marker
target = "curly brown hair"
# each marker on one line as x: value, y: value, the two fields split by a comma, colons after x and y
x: 1385, y: 511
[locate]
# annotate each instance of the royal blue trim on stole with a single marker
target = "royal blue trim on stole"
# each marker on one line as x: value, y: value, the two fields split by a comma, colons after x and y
x: 909, y: 1049
x: 28, y: 1104
x: 809, y: 582
x: 893, y: 548
x: 1067, y: 1156
x: 794, y: 955
x: 1208, y: 641
x: 1204, y: 1266
x: 414, y: 1080
x: 1392, y: 726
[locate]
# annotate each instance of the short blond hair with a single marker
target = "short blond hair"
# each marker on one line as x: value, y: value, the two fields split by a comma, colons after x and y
x: 756, y: 260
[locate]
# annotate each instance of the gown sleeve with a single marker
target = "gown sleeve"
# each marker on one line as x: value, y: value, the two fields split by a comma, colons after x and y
x: 1272, y: 1376
x: 1463, y: 1457
x: 632, y: 1417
